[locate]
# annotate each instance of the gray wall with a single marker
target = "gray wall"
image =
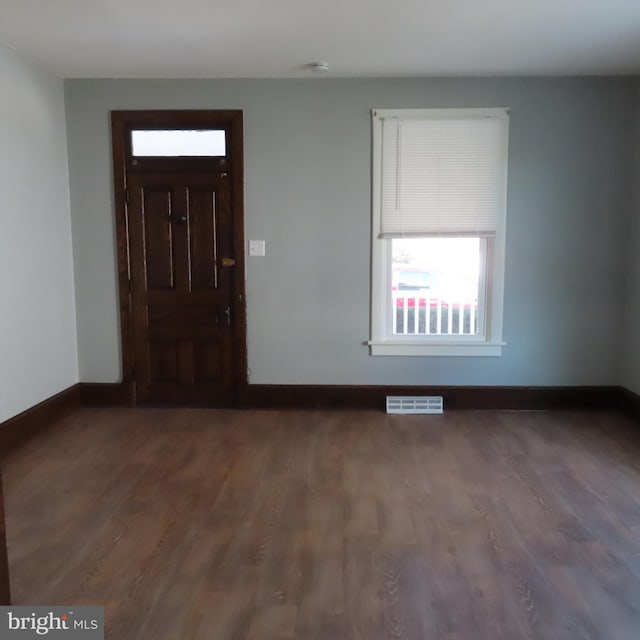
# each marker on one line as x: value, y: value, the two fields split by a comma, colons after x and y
x: 38, y: 355
x: 630, y: 345
x: 307, y: 160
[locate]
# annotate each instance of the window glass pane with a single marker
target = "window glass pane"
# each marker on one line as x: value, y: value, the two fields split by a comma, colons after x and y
x: 179, y: 143
x: 435, y: 286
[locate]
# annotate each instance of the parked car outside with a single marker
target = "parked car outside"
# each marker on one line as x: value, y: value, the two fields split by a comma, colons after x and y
x: 432, y: 285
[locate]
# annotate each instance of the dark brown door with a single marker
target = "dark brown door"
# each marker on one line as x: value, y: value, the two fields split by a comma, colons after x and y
x: 180, y: 249
x: 181, y: 240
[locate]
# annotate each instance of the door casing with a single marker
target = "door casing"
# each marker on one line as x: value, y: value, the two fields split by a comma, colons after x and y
x: 122, y: 122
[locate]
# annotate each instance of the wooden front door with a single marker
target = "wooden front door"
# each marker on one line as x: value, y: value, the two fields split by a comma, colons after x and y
x: 184, y: 275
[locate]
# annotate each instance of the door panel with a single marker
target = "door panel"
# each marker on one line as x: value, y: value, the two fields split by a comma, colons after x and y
x: 203, y: 241
x: 156, y: 211
x: 179, y: 229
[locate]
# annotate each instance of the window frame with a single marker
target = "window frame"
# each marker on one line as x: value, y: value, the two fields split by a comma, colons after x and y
x: 489, y: 340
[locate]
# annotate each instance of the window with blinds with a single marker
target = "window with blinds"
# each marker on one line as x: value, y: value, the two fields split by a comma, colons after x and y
x: 439, y: 208
x: 443, y: 174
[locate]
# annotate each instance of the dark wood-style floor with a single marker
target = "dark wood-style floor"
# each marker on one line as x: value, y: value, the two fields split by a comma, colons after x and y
x: 224, y: 525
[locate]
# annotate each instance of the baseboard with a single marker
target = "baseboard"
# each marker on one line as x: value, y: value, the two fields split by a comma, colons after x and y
x: 5, y: 591
x: 106, y: 394
x: 373, y: 397
x: 630, y: 403
x: 21, y: 428
x: 15, y: 431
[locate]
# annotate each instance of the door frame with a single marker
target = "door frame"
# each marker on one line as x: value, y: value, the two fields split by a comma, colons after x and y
x: 122, y: 122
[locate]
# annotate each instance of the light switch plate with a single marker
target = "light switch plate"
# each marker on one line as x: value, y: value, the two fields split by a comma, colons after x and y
x: 257, y: 247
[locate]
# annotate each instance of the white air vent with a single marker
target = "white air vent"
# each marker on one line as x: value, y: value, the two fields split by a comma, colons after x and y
x: 414, y: 404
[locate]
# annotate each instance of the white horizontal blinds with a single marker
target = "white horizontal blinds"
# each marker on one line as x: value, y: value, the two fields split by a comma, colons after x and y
x: 442, y: 176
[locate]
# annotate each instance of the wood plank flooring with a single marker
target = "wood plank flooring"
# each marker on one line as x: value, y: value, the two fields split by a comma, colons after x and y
x: 193, y: 524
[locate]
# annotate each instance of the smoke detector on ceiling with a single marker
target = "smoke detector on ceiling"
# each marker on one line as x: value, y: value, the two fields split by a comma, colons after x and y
x: 319, y: 67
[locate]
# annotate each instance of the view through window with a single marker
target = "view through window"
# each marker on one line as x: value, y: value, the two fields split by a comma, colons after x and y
x: 435, y: 286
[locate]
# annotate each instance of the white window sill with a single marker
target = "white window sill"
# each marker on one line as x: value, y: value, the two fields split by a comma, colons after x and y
x: 388, y: 348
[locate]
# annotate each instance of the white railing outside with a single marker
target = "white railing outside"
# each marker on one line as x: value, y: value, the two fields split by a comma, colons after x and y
x: 423, y: 313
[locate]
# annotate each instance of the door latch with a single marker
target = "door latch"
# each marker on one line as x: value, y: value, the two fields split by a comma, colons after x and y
x: 227, y: 314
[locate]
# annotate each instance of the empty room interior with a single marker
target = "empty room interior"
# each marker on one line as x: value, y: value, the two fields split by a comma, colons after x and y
x: 322, y: 321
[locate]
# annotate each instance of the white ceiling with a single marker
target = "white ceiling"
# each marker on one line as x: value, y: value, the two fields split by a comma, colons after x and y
x: 256, y: 38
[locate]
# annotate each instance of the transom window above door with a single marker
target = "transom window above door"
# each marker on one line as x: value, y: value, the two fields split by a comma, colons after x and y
x: 178, y: 143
